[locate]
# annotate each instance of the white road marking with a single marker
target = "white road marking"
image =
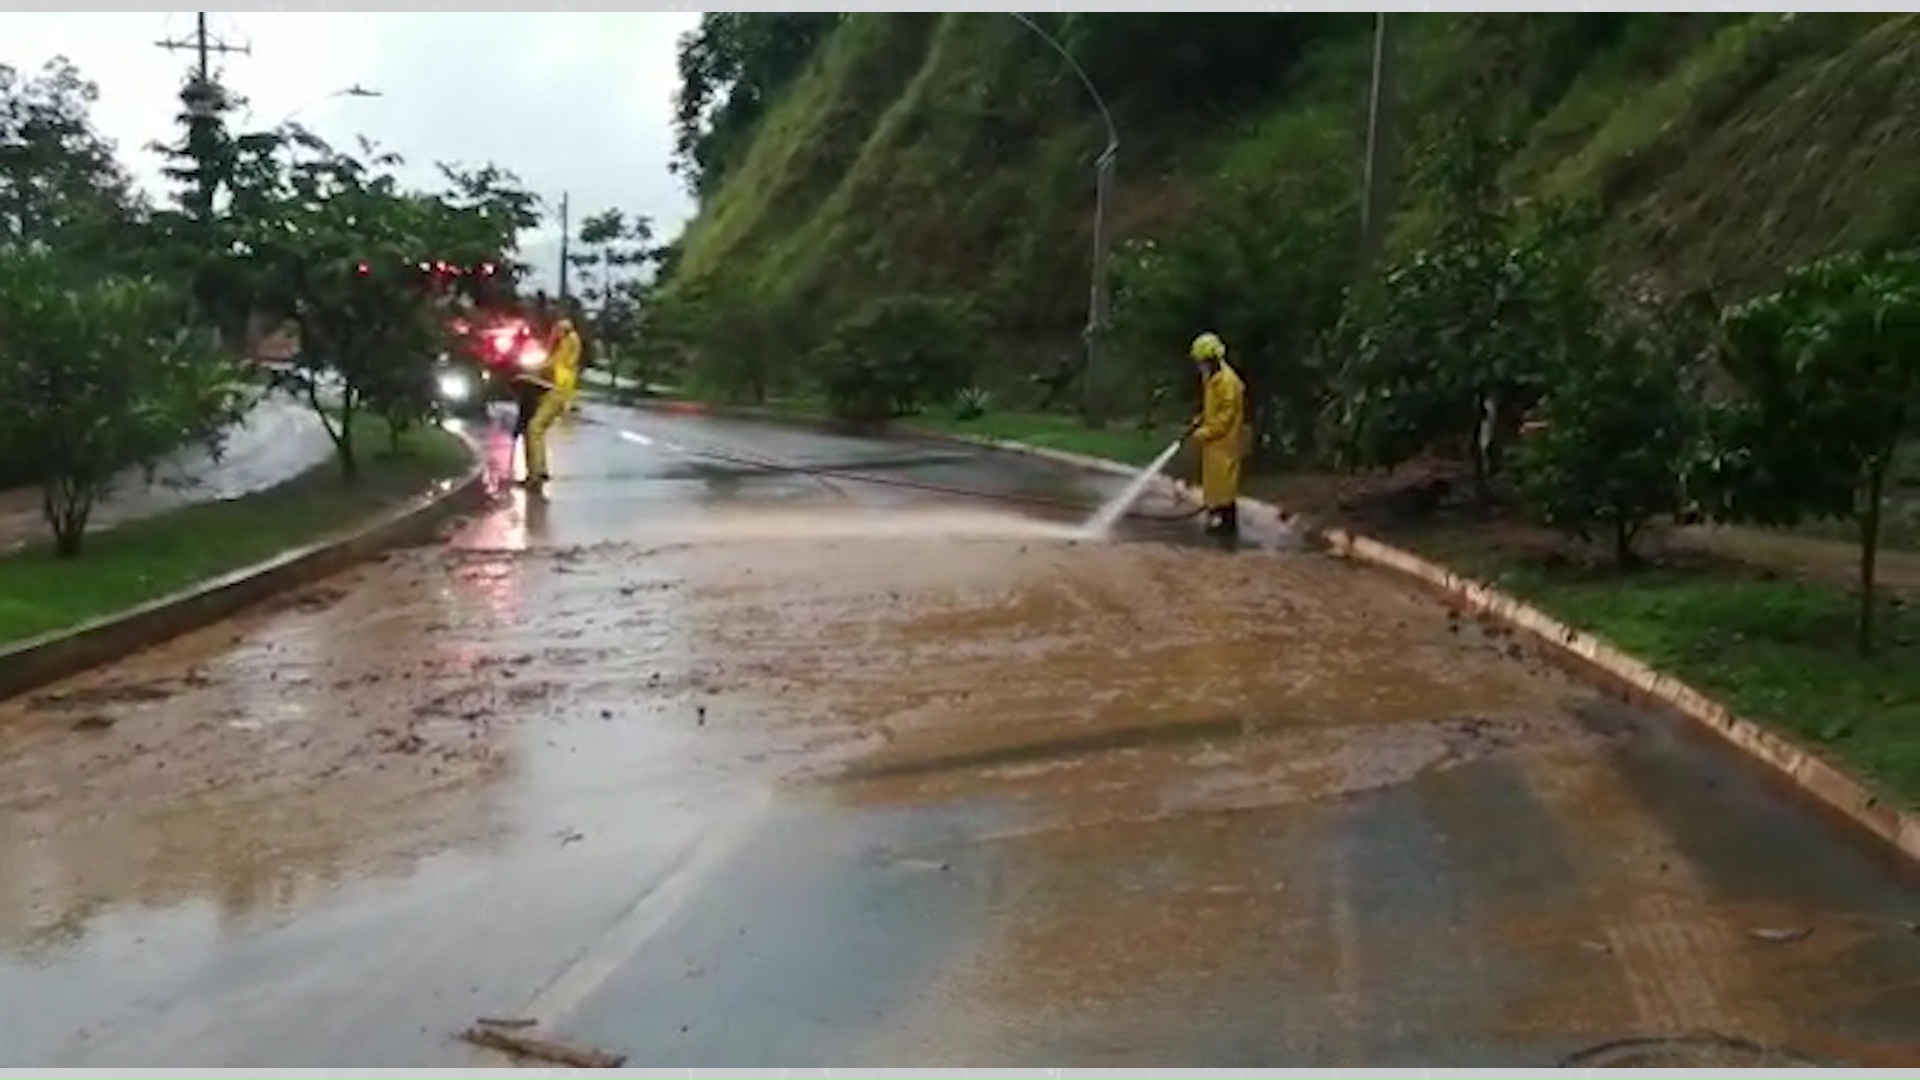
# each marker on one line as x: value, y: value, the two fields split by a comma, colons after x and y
x: 649, y: 913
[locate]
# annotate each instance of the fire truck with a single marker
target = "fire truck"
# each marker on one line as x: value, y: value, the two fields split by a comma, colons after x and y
x: 490, y: 338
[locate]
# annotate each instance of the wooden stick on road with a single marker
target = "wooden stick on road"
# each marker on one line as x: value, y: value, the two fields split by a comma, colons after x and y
x: 533, y: 1046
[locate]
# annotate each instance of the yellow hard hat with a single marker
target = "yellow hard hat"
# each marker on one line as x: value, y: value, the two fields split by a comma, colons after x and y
x: 1208, y: 346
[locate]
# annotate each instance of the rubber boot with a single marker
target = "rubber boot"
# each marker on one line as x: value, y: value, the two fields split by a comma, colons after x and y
x: 1223, y: 525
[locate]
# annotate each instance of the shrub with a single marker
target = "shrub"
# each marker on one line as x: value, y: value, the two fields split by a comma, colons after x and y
x: 897, y: 354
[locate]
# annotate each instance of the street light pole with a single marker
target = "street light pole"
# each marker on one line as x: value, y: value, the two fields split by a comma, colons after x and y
x: 1091, y: 403
x: 1377, y: 168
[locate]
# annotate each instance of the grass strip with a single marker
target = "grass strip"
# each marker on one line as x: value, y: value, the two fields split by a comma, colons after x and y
x: 143, y: 560
x: 1773, y: 649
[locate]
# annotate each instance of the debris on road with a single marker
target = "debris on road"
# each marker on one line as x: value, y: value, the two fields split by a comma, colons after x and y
x: 95, y: 722
x: 506, y: 1022
x: 1780, y: 936
x: 533, y: 1046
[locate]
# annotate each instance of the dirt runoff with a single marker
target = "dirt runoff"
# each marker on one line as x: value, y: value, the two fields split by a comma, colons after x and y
x: 1236, y: 765
x: 349, y: 729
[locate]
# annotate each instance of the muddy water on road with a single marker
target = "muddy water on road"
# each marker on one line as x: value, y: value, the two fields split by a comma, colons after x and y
x: 1258, y: 808
x: 1249, y: 809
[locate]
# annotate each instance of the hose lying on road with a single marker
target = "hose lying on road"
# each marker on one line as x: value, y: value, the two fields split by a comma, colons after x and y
x: 889, y: 481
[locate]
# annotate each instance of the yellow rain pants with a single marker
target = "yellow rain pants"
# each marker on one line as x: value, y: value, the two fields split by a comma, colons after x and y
x: 564, y: 367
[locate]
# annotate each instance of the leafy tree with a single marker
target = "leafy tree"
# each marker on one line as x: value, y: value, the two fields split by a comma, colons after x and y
x: 482, y: 212
x: 1614, y: 430
x: 202, y: 162
x: 99, y: 374
x: 1270, y: 284
x: 735, y: 344
x: 731, y: 68
x: 206, y: 162
x: 59, y: 182
x: 616, y: 248
x: 897, y: 354
x: 1828, y: 369
x: 1457, y: 341
x: 330, y: 241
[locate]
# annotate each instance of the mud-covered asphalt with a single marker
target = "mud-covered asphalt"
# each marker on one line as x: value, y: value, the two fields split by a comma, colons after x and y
x: 715, y: 767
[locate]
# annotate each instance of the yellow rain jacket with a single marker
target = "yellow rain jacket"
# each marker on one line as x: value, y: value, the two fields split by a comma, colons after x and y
x: 563, y: 365
x: 1222, y: 437
x: 566, y: 357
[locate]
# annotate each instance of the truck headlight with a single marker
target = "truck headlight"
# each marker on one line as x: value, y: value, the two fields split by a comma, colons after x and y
x: 455, y: 386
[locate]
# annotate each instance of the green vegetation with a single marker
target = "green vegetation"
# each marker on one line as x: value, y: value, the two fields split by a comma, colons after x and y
x: 896, y: 354
x: 124, y: 327
x: 1773, y: 650
x: 147, y: 559
x: 1603, y: 280
x: 131, y: 385
x: 952, y: 155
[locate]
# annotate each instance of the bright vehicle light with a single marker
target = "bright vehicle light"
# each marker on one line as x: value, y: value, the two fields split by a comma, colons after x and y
x: 532, y: 356
x: 454, y: 386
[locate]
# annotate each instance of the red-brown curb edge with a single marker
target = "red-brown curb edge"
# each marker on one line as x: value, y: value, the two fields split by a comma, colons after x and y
x: 51, y: 657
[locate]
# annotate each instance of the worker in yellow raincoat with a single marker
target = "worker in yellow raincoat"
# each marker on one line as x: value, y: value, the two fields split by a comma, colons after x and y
x: 560, y: 375
x: 1221, y: 432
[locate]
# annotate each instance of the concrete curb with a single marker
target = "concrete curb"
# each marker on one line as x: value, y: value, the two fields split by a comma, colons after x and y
x: 1587, y: 653
x: 1583, y: 653
x: 62, y: 653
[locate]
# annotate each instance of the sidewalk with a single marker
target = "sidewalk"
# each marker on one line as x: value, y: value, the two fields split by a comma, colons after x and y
x: 278, y: 441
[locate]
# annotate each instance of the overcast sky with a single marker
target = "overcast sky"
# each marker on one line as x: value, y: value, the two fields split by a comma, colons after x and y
x: 574, y: 102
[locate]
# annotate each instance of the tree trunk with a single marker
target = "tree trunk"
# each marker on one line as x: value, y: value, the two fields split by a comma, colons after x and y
x: 1622, y: 542
x: 349, y: 460
x: 1870, y: 547
x: 67, y: 506
x: 1477, y: 455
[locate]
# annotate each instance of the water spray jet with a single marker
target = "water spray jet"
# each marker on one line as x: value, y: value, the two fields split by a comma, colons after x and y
x: 1104, y: 519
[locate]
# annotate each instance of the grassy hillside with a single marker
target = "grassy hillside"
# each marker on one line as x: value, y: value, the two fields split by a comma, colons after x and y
x: 952, y: 154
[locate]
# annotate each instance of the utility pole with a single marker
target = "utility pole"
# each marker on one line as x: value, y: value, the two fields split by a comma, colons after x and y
x: 566, y: 232
x: 203, y: 46
x: 205, y: 101
x: 1376, y: 197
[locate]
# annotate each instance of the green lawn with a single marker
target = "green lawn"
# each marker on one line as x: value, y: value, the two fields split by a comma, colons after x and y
x: 146, y: 559
x: 1774, y: 650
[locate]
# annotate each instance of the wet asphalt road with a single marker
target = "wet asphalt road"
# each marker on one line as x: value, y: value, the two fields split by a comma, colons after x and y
x: 717, y: 767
